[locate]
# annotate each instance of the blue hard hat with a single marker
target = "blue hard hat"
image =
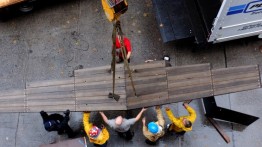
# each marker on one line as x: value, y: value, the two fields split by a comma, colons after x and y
x: 152, y: 127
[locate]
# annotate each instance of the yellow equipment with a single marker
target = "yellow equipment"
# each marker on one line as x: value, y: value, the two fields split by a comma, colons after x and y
x: 114, y: 8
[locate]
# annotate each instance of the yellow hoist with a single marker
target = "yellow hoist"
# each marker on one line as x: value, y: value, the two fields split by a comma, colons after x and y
x: 113, y: 10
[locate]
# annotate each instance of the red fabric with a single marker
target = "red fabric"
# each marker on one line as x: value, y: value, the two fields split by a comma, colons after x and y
x: 126, y: 43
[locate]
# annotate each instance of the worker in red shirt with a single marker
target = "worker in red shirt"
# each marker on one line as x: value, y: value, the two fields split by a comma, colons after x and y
x: 127, y: 45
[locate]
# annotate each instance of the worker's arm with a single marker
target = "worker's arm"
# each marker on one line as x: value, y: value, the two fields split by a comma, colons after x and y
x: 140, y: 114
x: 191, y: 111
x: 128, y: 55
x: 171, y: 116
x: 87, y: 124
x: 160, y: 118
x: 128, y: 48
x: 104, y: 117
x: 145, y: 131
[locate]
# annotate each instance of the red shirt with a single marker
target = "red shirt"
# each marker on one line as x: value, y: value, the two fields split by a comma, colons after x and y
x: 126, y: 43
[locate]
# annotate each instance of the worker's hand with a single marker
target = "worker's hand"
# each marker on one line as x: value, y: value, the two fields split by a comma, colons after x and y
x: 144, y: 120
x: 102, y: 126
x: 144, y: 109
x: 101, y: 112
x: 167, y: 108
x: 185, y: 105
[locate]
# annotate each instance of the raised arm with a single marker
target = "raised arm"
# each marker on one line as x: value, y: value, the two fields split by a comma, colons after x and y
x: 87, y: 124
x: 104, y: 117
x: 171, y: 116
x: 140, y: 114
x: 191, y: 111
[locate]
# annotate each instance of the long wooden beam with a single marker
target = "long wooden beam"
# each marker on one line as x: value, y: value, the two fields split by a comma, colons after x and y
x: 155, y: 85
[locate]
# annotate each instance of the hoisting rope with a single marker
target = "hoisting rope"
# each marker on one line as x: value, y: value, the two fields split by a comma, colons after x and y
x: 118, y: 31
x: 113, y: 10
x: 123, y: 51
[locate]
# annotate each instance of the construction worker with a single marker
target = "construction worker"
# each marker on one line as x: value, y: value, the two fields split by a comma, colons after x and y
x: 122, y: 125
x: 56, y: 122
x: 154, y: 130
x: 97, y: 136
x: 181, y: 124
x: 127, y: 46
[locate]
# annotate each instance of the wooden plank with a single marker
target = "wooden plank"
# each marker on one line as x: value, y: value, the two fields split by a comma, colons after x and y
x: 99, y: 100
x: 50, y: 89
x: 191, y: 82
x: 236, y: 88
x: 101, y: 74
x: 48, y: 108
x: 89, y: 93
x: 219, y: 130
x: 174, y: 98
x: 13, y: 109
x: 103, y: 70
x: 5, y: 3
x: 188, y: 69
x: 53, y: 95
x: 99, y: 87
x: 140, y: 71
x: 188, y: 76
x: 190, y: 89
x: 148, y: 97
x: 147, y: 80
x: 51, y: 102
x: 232, y: 77
x: 101, y: 107
x: 19, y: 103
x: 239, y: 82
x: 235, y: 70
x: 12, y: 92
x: 145, y: 89
x: 47, y: 83
x: 147, y: 73
x: 154, y: 64
x: 97, y: 79
x: 147, y: 100
x: 118, y: 81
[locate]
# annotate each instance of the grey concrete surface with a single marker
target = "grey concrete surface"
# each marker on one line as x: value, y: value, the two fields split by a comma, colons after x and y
x: 52, y: 41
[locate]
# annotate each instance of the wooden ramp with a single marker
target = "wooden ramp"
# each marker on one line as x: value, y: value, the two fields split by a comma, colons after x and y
x: 155, y: 84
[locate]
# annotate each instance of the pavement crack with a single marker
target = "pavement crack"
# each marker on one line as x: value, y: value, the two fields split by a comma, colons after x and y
x: 17, y: 128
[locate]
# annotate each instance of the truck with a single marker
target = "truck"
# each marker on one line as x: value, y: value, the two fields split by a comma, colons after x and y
x: 208, y: 21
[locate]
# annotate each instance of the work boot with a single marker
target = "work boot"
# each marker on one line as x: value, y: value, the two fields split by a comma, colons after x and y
x: 67, y: 112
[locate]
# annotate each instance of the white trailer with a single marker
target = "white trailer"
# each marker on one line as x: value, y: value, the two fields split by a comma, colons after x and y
x: 237, y: 19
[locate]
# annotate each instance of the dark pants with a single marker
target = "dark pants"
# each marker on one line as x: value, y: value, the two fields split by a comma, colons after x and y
x: 122, y: 60
x: 178, y: 133
x: 99, y: 145
x: 128, y: 135
x: 150, y: 142
x: 62, y: 127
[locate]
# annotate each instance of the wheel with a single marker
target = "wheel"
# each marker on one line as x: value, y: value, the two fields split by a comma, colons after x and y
x: 27, y: 6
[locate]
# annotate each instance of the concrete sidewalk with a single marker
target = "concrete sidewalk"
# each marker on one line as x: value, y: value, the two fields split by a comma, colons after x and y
x: 54, y: 40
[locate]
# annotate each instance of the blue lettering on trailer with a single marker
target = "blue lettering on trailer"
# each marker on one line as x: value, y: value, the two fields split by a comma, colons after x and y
x: 245, y: 8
